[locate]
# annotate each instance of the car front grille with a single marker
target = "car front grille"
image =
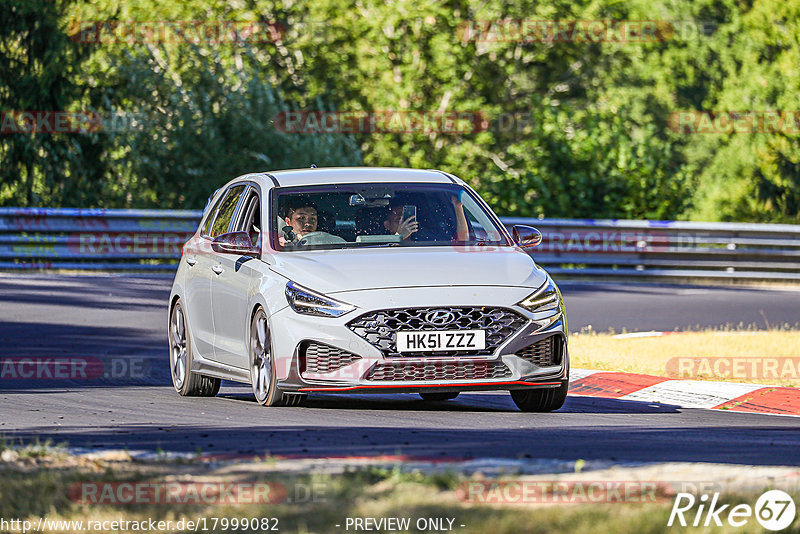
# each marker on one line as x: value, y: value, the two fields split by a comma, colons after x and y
x: 544, y: 352
x: 321, y: 358
x: 438, y: 370
x: 379, y: 327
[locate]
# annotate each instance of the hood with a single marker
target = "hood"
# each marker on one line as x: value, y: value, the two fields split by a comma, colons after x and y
x: 333, y: 271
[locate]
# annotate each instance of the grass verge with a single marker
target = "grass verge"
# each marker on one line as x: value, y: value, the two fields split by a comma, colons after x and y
x: 769, y: 357
x: 44, y: 486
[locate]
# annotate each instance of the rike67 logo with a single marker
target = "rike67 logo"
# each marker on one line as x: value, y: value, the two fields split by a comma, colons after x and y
x: 774, y: 510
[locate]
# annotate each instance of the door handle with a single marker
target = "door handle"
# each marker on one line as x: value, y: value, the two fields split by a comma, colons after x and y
x: 218, y: 269
x: 191, y: 261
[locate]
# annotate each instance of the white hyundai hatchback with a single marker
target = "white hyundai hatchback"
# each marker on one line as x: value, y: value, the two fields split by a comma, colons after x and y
x: 364, y: 280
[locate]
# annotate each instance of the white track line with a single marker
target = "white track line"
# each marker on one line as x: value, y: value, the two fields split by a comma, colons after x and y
x: 692, y: 393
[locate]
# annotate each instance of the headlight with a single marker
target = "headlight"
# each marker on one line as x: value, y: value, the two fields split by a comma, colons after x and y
x: 546, y: 298
x: 307, y: 302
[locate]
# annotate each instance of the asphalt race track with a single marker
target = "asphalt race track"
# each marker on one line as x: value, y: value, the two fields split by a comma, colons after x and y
x: 119, y: 322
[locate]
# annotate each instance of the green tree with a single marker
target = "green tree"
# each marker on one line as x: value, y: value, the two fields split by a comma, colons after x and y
x: 755, y: 176
x: 40, y: 72
x: 570, y: 128
x: 200, y: 123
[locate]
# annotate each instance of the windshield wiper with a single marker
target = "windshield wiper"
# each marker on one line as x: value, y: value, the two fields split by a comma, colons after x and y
x: 378, y: 245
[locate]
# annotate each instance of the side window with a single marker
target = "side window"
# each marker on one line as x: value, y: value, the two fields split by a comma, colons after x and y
x: 249, y: 219
x: 210, y: 215
x: 226, y: 209
x: 481, y: 226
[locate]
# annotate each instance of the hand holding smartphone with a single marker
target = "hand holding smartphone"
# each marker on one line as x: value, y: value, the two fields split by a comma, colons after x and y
x: 408, y: 221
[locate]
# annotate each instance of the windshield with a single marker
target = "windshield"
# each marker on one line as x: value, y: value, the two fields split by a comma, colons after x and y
x: 373, y: 215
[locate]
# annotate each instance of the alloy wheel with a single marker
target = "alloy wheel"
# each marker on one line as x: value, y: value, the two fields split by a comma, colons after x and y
x: 178, y: 345
x: 260, y: 360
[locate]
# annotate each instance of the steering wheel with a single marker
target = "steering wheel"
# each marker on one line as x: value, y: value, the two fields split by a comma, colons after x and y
x: 320, y: 238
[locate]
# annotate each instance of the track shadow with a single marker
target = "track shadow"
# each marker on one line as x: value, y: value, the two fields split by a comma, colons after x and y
x: 698, y: 443
x: 110, y: 293
x: 41, y: 355
x: 466, y: 402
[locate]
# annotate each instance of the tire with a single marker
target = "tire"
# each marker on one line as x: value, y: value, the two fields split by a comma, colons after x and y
x: 435, y: 397
x: 540, y: 400
x: 186, y: 382
x: 262, y: 369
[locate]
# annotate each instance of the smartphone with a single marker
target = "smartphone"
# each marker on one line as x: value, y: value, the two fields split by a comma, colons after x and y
x: 409, y: 211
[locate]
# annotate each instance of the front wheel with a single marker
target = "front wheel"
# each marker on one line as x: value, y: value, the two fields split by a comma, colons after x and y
x: 541, y: 400
x: 187, y: 382
x: 262, y: 368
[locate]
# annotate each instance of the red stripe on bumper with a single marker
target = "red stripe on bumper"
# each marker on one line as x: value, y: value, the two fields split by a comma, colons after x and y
x: 409, y: 386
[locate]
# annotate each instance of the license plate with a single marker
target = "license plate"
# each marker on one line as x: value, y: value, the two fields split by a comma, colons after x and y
x: 441, y: 340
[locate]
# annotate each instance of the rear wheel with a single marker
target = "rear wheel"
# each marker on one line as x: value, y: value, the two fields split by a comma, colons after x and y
x: 439, y: 396
x: 540, y: 400
x: 262, y: 368
x: 187, y: 382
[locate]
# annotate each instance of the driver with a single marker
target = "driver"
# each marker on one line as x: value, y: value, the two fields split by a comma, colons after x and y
x: 301, y: 220
x: 301, y: 216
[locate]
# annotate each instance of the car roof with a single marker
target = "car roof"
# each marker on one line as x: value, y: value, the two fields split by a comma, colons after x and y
x: 350, y: 175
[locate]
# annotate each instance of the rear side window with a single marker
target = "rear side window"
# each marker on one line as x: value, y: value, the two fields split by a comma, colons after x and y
x: 249, y: 218
x: 210, y: 216
x: 226, y: 209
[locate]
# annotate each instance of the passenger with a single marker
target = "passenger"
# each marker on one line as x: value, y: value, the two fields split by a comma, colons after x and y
x: 395, y: 223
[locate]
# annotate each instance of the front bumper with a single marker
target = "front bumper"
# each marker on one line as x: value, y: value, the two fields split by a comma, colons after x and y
x: 362, y: 366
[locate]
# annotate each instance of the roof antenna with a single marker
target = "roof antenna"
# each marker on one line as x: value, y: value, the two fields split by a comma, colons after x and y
x: 313, y: 165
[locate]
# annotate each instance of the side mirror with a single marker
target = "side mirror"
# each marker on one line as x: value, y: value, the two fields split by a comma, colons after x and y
x: 526, y: 237
x: 237, y: 243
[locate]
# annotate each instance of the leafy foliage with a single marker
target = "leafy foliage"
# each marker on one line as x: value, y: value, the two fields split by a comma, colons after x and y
x: 572, y: 128
x: 39, y: 71
x: 202, y: 124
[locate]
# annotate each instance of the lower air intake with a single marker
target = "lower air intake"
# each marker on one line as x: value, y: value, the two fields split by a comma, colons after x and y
x: 544, y: 353
x: 461, y: 370
x: 321, y: 358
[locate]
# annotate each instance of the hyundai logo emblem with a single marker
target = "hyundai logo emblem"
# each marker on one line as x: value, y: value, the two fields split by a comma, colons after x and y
x: 439, y: 317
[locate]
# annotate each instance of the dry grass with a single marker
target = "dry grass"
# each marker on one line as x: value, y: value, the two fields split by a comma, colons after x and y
x: 30, y: 491
x: 763, y: 357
